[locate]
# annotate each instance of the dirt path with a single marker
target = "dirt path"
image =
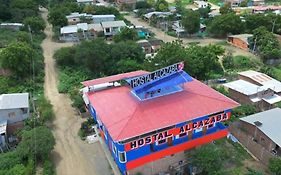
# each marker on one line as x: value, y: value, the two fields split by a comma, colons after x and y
x: 71, y: 156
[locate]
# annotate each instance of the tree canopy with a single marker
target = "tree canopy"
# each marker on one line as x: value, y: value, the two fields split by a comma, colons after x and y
x: 201, y: 61
x: 222, y: 25
x: 191, y: 21
x: 17, y: 57
x: 126, y: 34
x: 275, y: 165
x: 36, y: 24
x: 161, y: 5
x: 266, y: 44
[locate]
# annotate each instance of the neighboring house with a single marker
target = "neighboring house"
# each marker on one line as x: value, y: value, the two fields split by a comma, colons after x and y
x: 12, y: 26
x: 150, y: 46
x: 241, y: 41
x: 86, y: 2
x: 74, y: 18
x: 149, y: 15
x: 111, y: 28
x: 131, y: 4
x: 234, y: 3
x: 14, y: 108
x: 79, y: 32
x: 270, y: 8
x: 258, y: 2
x: 178, y: 28
x: 102, y: 18
x: 201, y: 4
x: 261, y: 79
x: 264, y: 128
x: 262, y: 97
x: 214, y: 13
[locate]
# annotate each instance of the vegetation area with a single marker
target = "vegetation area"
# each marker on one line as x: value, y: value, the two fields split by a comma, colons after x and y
x: 21, y: 54
x: 221, y: 157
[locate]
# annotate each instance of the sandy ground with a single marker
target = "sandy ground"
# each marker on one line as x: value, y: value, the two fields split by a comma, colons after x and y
x: 202, y: 41
x: 71, y: 155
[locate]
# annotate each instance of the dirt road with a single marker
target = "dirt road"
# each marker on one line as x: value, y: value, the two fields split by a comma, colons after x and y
x: 71, y: 156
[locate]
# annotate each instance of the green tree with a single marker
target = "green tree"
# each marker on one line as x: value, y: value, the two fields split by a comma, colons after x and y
x: 267, y: 44
x: 169, y: 53
x: 191, y: 21
x: 254, y: 21
x: 65, y: 56
x: 161, y: 5
x: 23, y: 37
x: 126, y: 34
x: 179, y: 6
x: 21, y: 9
x: 244, y: 110
x: 226, y: 8
x: 36, y: 24
x: 17, y: 57
x: 204, y: 12
x: 275, y: 165
x: 142, y: 5
x: 222, y: 25
x: 128, y: 65
x: 208, y: 158
x: 19, y: 169
x: 57, y: 16
x: 5, y: 12
x: 45, y: 142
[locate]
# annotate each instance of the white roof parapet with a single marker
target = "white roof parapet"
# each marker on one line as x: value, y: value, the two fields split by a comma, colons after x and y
x: 14, y: 101
x: 270, y: 123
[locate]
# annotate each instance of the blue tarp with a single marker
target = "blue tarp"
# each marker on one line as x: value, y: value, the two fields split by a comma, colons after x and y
x: 169, y: 81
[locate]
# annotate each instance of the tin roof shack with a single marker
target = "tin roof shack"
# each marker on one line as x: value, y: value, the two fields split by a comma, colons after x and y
x: 86, y: 2
x: 12, y: 26
x: 264, y: 128
x: 241, y: 41
x: 126, y: 4
x: 15, y: 109
x: 75, y: 18
x: 111, y: 28
x: 150, y: 46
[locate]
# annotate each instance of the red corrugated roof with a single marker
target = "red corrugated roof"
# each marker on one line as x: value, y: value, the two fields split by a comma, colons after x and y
x: 124, y: 116
x: 114, y: 78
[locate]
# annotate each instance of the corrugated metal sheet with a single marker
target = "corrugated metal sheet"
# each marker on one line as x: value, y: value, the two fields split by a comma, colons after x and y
x: 271, y: 122
x: 12, y: 101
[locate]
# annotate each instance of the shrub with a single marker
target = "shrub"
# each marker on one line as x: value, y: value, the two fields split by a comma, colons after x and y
x: 48, y: 168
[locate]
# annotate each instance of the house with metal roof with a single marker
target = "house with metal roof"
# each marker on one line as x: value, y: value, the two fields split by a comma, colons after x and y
x: 79, y: 32
x: 255, y: 88
x: 146, y: 117
x: 241, y: 41
x: 261, y: 79
x: 264, y: 128
x: 14, y: 108
x: 111, y: 28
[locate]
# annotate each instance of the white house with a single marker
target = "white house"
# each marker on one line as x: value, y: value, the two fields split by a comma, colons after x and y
x: 79, y: 31
x: 14, y: 108
x: 86, y: 2
x: 13, y: 26
x: 111, y: 28
x: 102, y: 18
x: 201, y: 4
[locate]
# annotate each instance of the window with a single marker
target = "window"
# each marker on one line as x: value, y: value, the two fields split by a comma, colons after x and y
x: 24, y: 110
x: 12, y: 114
x: 122, y: 157
x: 161, y: 142
x: 107, y: 30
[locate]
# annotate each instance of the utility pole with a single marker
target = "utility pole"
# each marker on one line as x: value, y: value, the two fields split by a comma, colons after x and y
x: 273, y: 25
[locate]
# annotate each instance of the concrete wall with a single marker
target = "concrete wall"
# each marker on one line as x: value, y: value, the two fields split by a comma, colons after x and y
x: 14, y: 115
x: 244, y: 133
x: 238, y: 43
x: 165, y: 164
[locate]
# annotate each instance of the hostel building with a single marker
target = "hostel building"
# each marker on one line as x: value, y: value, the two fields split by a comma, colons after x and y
x: 148, y: 119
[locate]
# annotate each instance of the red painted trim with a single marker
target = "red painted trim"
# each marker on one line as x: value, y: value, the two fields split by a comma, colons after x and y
x: 172, y: 150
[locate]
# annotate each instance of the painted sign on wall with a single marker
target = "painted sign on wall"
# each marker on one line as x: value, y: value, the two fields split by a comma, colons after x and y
x: 138, y: 81
x: 220, y: 117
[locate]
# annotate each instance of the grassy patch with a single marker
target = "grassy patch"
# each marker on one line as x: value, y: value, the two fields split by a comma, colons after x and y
x: 216, y: 2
